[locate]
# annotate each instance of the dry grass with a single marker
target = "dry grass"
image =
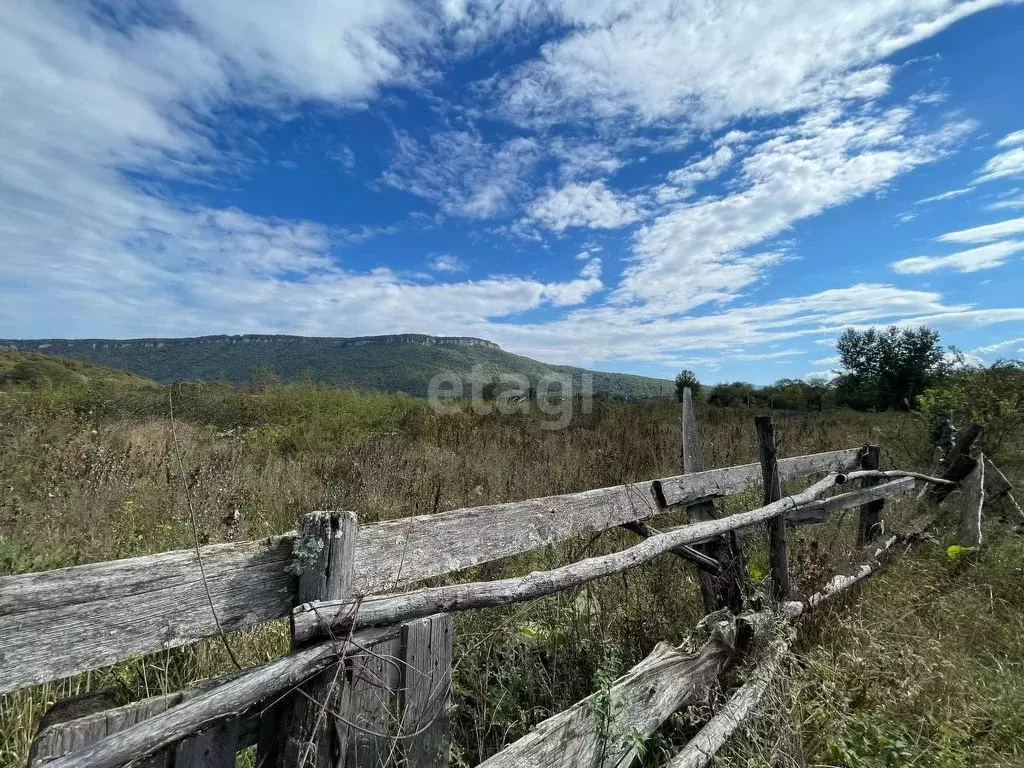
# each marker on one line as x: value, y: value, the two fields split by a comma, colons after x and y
x: 87, y: 479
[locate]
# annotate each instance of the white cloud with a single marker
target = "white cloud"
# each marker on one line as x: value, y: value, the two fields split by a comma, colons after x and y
x: 462, y: 173
x: 1002, y: 166
x: 832, y: 360
x: 592, y: 269
x: 1009, y: 203
x: 709, y: 61
x: 998, y: 346
x: 446, y: 262
x: 1011, y: 139
x: 682, y: 182
x: 590, y: 205
x: 946, y: 195
x: 986, y: 233
x: 972, y: 260
x: 695, y: 254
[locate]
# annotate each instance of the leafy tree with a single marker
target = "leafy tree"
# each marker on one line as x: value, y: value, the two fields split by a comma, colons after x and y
x: 890, y: 368
x: 735, y: 394
x: 687, y: 378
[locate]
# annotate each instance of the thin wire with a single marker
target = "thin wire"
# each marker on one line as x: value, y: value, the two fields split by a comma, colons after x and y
x: 195, y: 532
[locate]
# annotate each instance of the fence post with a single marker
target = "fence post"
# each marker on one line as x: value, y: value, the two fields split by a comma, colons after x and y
x: 426, y: 690
x: 778, y: 549
x: 722, y: 590
x: 325, y: 552
x: 870, y: 525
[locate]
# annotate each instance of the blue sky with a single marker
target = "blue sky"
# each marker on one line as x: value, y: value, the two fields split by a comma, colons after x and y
x: 636, y: 186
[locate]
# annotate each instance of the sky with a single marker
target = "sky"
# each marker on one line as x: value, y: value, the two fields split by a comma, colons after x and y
x: 631, y: 186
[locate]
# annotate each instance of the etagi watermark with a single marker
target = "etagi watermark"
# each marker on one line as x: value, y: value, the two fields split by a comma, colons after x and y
x: 558, y: 396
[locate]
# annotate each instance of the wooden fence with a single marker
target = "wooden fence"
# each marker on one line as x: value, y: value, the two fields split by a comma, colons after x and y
x: 368, y: 679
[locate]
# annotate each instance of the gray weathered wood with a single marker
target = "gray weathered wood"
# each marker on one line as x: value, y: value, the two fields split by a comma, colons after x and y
x: 57, y: 623
x: 235, y: 697
x: 639, y: 702
x: 869, y: 525
x: 996, y: 484
x: 685, y: 552
x: 325, y: 551
x: 818, y: 511
x: 213, y: 748
x: 721, y: 589
x: 425, y: 686
x: 716, y: 483
x: 368, y: 703
x: 702, y: 748
x: 310, y: 621
x: 60, y: 738
x: 778, y: 548
x: 960, y: 464
x: 973, y: 497
x: 399, y: 552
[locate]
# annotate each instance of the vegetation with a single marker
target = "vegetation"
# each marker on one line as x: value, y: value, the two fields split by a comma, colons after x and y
x: 890, y: 368
x: 923, y: 668
x: 404, y: 363
x: 30, y: 370
x: 687, y: 378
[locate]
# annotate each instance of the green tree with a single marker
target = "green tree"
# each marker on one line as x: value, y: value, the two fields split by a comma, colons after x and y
x: 687, y: 378
x: 890, y: 368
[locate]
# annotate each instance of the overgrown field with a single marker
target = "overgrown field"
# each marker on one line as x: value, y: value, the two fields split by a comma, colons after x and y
x: 922, y: 668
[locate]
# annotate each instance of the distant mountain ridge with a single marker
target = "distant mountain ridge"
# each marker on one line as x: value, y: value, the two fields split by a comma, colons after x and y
x: 394, y: 363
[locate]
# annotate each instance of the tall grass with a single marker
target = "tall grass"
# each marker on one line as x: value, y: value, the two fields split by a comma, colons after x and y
x: 90, y: 475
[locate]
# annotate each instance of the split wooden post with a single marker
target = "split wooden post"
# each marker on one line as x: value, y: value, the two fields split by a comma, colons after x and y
x: 325, y: 555
x: 778, y: 549
x: 718, y: 590
x: 870, y: 525
x: 425, y: 692
x: 973, y: 490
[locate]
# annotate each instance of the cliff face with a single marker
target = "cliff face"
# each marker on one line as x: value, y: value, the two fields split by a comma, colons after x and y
x: 59, y: 346
x: 398, y: 363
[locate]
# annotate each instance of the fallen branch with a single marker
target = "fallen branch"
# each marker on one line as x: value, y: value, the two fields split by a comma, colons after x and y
x: 312, y: 619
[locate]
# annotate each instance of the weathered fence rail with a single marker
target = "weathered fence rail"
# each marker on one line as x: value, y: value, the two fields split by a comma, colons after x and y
x: 369, y: 674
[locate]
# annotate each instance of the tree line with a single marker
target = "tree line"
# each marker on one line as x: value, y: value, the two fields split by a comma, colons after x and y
x: 879, y: 369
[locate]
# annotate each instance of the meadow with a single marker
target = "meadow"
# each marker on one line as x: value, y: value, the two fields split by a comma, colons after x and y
x: 923, y: 667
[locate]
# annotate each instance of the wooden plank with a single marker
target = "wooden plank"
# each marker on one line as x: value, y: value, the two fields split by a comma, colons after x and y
x: 818, y: 511
x: 58, y: 623
x: 309, y: 621
x: 960, y: 465
x: 62, y: 622
x: 237, y: 696
x: 869, y: 525
x: 213, y: 748
x: 973, y: 498
x: 426, y: 690
x: 327, y: 544
x: 715, y: 483
x: 778, y: 548
x: 635, y: 705
x: 721, y: 589
x: 60, y: 738
x: 368, y: 701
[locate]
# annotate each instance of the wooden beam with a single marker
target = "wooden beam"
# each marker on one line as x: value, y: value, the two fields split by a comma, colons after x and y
x: 869, y: 525
x: 235, y: 697
x: 327, y: 542
x: 63, y: 622
x: 310, y: 621
x: 973, y: 490
x: 818, y: 511
x: 596, y: 732
x: 426, y: 688
x: 685, y: 552
x: 778, y: 548
x: 722, y: 589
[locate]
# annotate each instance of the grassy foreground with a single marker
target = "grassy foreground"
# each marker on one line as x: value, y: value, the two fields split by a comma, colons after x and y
x: 922, y: 668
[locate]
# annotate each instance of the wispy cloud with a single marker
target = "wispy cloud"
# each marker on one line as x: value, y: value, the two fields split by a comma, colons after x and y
x: 972, y: 260
x: 985, y: 233
x: 590, y: 205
